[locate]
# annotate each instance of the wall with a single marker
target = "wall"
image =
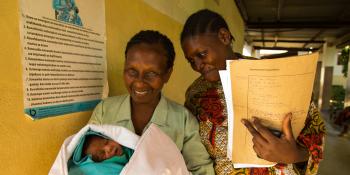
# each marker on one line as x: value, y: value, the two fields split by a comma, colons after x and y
x: 229, y: 10
x: 27, y: 147
x: 30, y: 147
x: 121, y: 30
x: 330, y: 58
x: 167, y: 17
x: 179, y: 10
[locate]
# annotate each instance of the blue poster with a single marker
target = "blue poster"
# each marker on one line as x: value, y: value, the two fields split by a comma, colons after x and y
x: 63, y: 47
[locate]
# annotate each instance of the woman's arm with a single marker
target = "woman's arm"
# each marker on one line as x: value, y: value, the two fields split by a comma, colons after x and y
x: 196, y: 156
x: 312, y: 138
x: 282, y: 149
x: 307, y: 147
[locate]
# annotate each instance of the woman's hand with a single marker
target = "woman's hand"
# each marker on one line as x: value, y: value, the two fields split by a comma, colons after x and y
x: 274, y: 149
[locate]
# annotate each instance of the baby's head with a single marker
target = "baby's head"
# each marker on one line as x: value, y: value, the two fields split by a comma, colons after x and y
x: 101, y: 148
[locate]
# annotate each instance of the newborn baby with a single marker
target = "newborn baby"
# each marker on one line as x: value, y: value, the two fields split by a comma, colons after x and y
x: 101, y: 148
x: 98, y: 154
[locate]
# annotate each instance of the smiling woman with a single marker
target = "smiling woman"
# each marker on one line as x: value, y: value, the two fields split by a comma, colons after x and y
x: 149, y: 60
x: 206, y: 42
x: 145, y: 72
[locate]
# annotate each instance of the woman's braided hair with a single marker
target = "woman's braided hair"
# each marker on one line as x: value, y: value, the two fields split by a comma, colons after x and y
x: 203, y: 21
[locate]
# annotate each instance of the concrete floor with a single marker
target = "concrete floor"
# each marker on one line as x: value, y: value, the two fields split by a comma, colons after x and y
x: 337, y: 151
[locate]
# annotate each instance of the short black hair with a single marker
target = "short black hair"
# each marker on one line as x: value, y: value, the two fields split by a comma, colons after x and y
x: 203, y: 21
x: 87, y: 142
x: 154, y: 37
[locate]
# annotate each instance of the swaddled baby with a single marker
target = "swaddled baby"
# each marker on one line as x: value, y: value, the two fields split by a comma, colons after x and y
x: 107, y: 149
x: 98, y: 154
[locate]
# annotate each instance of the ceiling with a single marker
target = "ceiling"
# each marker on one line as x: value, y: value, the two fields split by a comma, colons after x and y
x: 295, y: 25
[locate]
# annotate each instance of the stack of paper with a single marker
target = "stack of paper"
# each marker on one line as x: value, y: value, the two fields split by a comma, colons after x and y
x: 267, y: 89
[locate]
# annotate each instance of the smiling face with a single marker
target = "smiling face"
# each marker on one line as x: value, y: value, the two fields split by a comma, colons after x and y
x: 207, y: 53
x: 101, y: 148
x: 145, y: 72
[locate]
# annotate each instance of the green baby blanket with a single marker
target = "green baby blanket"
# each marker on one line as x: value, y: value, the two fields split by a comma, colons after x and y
x: 78, y: 165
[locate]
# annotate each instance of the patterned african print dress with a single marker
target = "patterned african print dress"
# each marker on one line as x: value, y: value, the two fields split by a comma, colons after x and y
x: 206, y: 101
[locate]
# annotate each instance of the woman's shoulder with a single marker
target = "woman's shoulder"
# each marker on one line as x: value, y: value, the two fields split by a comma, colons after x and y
x: 114, y: 100
x: 197, y: 86
x: 197, y: 82
x: 177, y: 114
x: 176, y: 111
x: 175, y: 106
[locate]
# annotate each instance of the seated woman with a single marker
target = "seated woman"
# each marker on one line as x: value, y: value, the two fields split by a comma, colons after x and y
x: 148, y: 66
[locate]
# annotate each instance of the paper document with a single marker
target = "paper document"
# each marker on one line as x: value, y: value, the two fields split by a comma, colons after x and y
x: 266, y: 89
x: 226, y: 84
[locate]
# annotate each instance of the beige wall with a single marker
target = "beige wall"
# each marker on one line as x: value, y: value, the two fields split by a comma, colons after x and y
x: 30, y: 147
x: 230, y: 12
x: 329, y: 57
x: 121, y: 30
x: 179, y: 10
x: 339, y: 80
x: 26, y: 146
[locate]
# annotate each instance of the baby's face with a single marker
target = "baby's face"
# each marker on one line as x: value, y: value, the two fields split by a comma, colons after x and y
x: 101, y: 148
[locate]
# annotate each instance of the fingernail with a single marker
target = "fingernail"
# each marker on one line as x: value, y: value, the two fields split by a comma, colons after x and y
x: 243, y: 121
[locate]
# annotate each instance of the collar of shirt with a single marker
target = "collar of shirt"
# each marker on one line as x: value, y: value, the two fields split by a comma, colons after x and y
x: 159, y: 116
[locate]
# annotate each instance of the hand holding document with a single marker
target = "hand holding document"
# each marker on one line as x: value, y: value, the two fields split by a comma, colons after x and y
x: 269, y: 90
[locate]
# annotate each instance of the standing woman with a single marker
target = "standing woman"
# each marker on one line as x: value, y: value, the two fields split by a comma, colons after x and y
x: 206, y: 43
x: 149, y: 60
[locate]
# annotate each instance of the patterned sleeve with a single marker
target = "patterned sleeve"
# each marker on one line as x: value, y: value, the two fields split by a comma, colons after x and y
x: 312, y: 138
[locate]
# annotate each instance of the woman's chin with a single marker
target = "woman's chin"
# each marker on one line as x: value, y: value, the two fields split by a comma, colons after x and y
x: 213, y: 76
x: 145, y: 98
